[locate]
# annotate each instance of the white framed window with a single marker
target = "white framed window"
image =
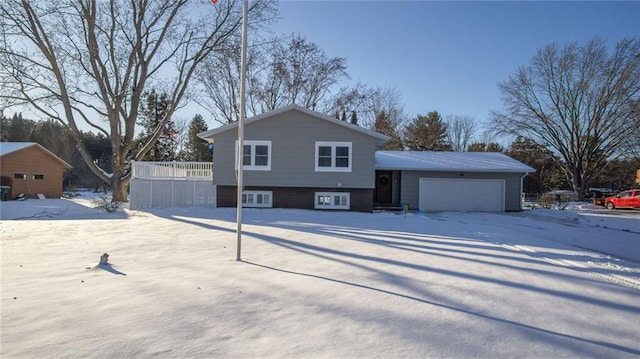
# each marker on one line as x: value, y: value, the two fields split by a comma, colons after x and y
x: 257, y: 199
x: 333, y: 156
x: 332, y: 200
x: 256, y: 155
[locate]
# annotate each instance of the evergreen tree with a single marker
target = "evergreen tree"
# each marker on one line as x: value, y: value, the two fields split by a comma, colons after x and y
x: 427, y: 133
x: 153, y: 111
x: 196, y: 149
x: 485, y: 147
x: 17, y: 129
x: 384, y: 125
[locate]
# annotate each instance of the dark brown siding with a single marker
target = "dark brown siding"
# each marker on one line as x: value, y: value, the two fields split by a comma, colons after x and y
x: 296, y: 197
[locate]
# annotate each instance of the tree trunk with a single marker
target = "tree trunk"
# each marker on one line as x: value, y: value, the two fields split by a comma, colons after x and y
x: 119, y: 187
x: 119, y: 191
x: 577, y: 183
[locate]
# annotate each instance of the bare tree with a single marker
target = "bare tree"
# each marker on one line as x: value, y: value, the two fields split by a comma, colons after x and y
x: 389, y: 101
x: 308, y: 71
x: 89, y: 62
x: 219, y: 81
x: 370, y: 104
x: 281, y: 71
x: 631, y: 147
x: 576, y: 101
x: 460, y: 131
x: 356, y: 97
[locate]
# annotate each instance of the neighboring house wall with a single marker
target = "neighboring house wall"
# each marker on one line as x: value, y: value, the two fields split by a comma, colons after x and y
x: 42, y: 172
x: 292, y: 177
x: 410, y: 181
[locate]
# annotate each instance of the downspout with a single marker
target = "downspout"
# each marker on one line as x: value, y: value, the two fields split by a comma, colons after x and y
x: 522, y: 188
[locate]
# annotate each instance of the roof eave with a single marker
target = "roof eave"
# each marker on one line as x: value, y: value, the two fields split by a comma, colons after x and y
x: 207, y: 135
x: 467, y: 170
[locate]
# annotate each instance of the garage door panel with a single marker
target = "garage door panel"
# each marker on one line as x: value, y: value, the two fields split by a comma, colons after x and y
x: 438, y: 194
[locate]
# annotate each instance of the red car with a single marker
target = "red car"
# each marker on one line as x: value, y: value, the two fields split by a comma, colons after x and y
x: 624, y: 199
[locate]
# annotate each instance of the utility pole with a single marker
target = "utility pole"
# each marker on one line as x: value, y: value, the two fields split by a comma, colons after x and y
x: 243, y: 64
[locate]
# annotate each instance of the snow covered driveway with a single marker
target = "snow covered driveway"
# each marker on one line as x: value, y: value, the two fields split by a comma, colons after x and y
x: 318, y: 284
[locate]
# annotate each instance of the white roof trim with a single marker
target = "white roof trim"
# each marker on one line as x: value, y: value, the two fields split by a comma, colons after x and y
x: 207, y: 135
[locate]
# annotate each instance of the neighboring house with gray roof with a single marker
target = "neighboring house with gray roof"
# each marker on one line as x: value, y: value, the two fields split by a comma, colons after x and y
x: 30, y: 169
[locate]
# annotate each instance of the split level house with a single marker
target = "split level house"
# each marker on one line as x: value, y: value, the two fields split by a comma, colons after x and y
x: 29, y: 169
x: 294, y: 157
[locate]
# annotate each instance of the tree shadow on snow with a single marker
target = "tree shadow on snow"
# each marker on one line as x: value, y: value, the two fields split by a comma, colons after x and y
x: 53, y: 209
x: 422, y: 242
x: 454, y: 308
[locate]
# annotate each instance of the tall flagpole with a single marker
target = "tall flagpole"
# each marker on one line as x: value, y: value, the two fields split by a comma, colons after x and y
x: 243, y: 64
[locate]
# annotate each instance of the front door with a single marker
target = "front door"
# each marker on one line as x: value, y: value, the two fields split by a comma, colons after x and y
x: 383, y: 187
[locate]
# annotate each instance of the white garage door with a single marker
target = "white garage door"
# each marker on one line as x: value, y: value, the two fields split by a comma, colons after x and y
x: 482, y: 195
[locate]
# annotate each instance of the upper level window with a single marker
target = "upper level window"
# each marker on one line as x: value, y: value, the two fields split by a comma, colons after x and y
x: 38, y: 177
x: 256, y: 155
x: 333, y: 156
x: 19, y: 176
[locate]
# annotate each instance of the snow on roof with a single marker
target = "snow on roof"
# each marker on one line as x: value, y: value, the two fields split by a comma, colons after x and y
x: 449, y: 161
x: 206, y: 135
x: 8, y: 147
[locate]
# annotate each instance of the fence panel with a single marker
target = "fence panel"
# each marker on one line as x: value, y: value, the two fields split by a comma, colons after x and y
x: 166, y: 193
x: 168, y: 170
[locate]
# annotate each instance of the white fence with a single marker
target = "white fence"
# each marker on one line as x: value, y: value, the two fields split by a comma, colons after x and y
x: 171, y: 184
x: 202, y: 171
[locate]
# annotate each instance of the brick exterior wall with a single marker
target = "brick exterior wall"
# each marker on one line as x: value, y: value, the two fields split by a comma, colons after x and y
x: 361, y: 200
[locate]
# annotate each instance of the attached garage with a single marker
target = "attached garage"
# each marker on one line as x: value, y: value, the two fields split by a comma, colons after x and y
x: 450, y: 181
x: 453, y: 194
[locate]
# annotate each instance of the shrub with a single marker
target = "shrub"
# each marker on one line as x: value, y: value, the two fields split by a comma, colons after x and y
x: 546, y: 200
x: 105, y: 203
x: 550, y: 200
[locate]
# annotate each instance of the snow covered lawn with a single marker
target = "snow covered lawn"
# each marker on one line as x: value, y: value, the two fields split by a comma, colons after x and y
x: 535, y: 284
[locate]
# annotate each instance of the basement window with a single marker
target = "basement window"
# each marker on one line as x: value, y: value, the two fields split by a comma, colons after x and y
x: 21, y: 176
x: 257, y: 198
x: 332, y: 200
